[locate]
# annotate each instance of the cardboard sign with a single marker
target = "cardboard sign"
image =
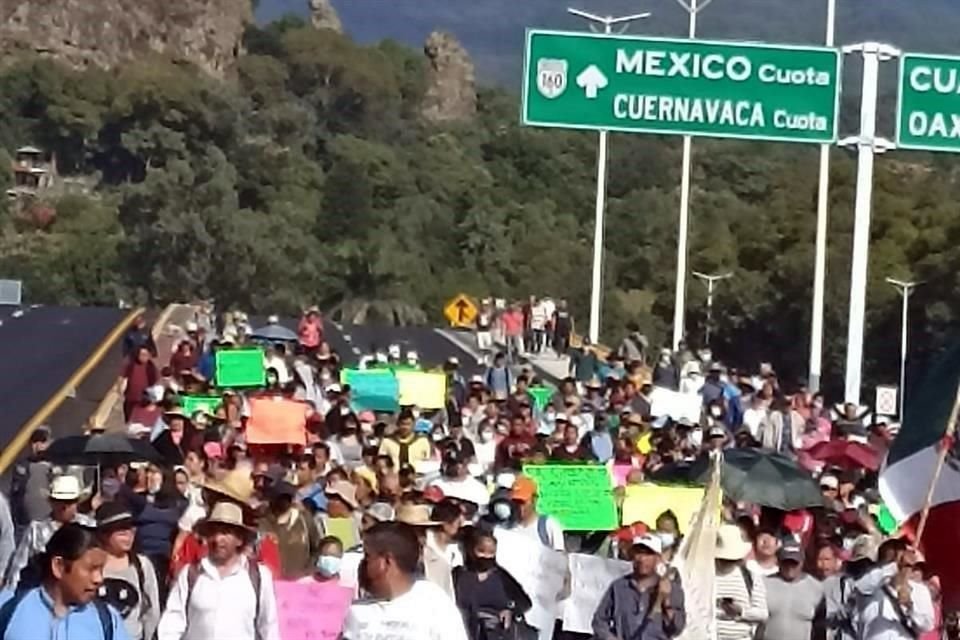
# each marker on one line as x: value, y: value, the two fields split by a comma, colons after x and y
x: 240, y: 368
x: 311, y: 610
x: 679, y: 406
x: 590, y: 576
x: 192, y: 404
x: 579, y: 496
x: 542, y: 572
x: 276, y: 420
x: 372, y: 389
x: 645, y: 502
x: 425, y: 390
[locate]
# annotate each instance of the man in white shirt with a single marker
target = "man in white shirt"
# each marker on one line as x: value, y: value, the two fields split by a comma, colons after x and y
x: 224, y: 597
x: 894, y: 607
x: 540, y: 527
x: 400, y: 607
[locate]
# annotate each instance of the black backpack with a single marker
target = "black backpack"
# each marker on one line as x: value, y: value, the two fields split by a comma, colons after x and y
x: 10, y: 606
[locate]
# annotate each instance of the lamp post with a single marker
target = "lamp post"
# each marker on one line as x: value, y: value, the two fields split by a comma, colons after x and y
x: 820, y: 259
x: 868, y: 145
x: 693, y: 7
x: 905, y: 289
x: 608, y: 23
x: 710, y: 280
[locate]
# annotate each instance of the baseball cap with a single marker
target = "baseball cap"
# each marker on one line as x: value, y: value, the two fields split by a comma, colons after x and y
x: 791, y: 552
x: 524, y: 489
x: 829, y: 482
x: 717, y: 431
x: 864, y: 548
x: 380, y: 511
x: 650, y: 542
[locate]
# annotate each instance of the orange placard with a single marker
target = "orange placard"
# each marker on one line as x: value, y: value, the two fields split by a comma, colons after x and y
x: 277, y: 421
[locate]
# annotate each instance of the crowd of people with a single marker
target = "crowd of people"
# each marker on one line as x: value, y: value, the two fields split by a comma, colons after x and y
x: 408, y: 510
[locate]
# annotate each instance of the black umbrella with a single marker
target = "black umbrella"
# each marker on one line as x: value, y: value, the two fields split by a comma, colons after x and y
x: 752, y: 475
x: 100, y: 449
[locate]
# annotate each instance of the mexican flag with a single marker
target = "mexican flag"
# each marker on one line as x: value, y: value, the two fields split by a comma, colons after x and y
x: 911, y: 465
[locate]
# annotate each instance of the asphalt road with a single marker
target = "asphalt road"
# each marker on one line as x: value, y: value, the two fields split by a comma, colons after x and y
x: 39, y: 351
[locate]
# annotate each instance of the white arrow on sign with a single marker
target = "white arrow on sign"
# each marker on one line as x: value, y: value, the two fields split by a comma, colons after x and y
x: 591, y: 80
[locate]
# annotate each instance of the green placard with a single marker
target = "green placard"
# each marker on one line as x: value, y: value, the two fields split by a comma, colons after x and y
x: 373, y: 389
x: 192, y: 404
x: 240, y: 368
x: 690, y: 87
x: 928, y: 110
x: 541, y: 396
x: 580, y: 497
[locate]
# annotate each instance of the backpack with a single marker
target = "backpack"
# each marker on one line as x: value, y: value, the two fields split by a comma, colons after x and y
x: 748, y: 583
x: 253, y: 571
x: 541, y: 531
x: 10, y: 606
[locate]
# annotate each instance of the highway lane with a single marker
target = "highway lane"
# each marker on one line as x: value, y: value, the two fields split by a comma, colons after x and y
x: 40, y: 349
x: 432, y: 348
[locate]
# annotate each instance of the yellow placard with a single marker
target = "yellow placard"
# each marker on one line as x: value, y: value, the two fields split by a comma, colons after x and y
x: 460, y: 311
x: 645, y: 502
x: 425, y: 390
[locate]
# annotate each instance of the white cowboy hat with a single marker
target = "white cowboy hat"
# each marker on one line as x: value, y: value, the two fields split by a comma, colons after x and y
x: 730, y: 543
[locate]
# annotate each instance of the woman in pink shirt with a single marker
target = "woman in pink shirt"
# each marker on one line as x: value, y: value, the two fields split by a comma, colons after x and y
x: 310, y: 331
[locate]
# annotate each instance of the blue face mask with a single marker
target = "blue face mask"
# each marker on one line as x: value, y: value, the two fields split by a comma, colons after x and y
x: 328, y: 566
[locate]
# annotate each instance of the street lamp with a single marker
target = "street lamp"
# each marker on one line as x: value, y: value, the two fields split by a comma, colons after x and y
x: 820, y: 256
x: 693, y: 7
x: 608, y: 23
x: 710, y: 281
x: 905, y: 288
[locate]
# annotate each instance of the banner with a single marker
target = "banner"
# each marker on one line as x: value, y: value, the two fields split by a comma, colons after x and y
x: 645, y: 502
x: 372, y: 389
x: 679, y: 406
x: 541, y: 571
x: 192, y: 404
x: 425, y: 390
x: 541, y: 396
x: 311, y: 610
x: 240, y: 367
x: 276, y: 420
x: 580, y: 497
x: 590, y: 576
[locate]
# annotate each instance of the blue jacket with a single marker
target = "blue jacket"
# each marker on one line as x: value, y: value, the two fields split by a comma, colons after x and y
x: 33, y: 619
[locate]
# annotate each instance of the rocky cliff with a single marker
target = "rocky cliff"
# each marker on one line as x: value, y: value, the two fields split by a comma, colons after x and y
x: 105, y: 33
x: 324, y: 16
x: 451, y: 93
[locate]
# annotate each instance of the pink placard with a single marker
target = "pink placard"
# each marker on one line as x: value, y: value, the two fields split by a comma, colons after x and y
x: 619, y: 473
x: 311, y: 610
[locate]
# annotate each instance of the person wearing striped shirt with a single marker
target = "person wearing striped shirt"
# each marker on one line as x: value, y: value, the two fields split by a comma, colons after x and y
x: 741, y: 594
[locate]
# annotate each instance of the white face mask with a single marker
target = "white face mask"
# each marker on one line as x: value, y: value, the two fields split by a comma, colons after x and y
x: 667, y: 539
x: 486, y: 436
x: 438, y: 436
x: 716, y: 412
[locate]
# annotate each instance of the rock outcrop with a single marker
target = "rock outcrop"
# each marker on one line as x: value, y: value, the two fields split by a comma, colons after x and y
x: 451, y: 94
x: 106, y: 33
x: 324, y: 16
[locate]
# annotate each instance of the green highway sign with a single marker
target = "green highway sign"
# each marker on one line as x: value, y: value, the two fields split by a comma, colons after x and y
x: 928, y: 110
x: 671, y: 86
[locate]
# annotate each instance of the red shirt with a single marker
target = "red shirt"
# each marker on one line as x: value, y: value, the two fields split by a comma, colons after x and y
x: 513, y: 449
x: 194, y: 550
x: 310, y: 332
x: 513, y: 323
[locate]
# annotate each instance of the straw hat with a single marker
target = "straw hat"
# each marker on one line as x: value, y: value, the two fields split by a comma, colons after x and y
x: 236, y: 485
x: 226, y: 513
x: 417, y: 515
x: 730, y: 543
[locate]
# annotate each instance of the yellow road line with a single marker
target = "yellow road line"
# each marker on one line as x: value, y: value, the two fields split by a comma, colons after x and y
x: 20, y: 441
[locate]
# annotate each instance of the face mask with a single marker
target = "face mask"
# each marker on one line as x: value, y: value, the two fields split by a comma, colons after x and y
x: 438, y: 436
x: 696, y: 437
x: 502, y: 511
x: 667, y: 539
x: 483, y: 564
x: 328, y: 566
x: 486, y: 436
x: 716, y: 412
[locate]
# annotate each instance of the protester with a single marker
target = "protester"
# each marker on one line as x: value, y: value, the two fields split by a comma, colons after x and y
x: 130, y: 582
x: 642, y: 605
x: 741, y: 594
x: 329, y: 562
x: 65, y: 494
x: 793, y: 598
x: 294, y: 530
x: 31, y: 482
x: 491, y: 601
x: 530, y: 523
x: 404, y: 446
x: 225, y: 596
x: 64, y: 605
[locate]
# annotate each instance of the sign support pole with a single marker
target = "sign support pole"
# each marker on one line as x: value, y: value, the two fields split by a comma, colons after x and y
x: 596, y: 289
x: 820, y: 259
x: 868, y: 144
x: 693, y: 8
x: 905, y: 289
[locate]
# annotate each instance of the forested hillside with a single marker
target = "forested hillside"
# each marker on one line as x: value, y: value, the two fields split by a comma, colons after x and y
x: 493, y: 29
x: 312, y: 178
